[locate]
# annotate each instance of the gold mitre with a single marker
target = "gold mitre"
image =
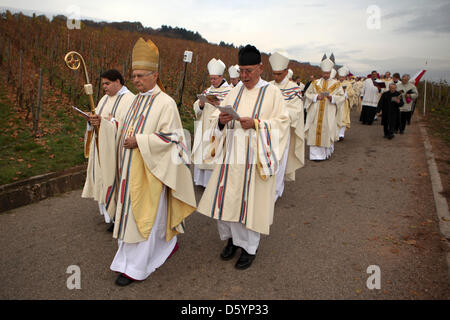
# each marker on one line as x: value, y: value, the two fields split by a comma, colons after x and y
x: 145, y: 56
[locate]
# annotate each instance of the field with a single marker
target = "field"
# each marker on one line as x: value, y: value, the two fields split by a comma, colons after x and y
x: 437, y: 111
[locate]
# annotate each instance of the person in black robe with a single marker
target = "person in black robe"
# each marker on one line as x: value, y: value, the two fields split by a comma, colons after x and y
x: 397, y: 79
x: 388, y: 106
x: 311, y: 79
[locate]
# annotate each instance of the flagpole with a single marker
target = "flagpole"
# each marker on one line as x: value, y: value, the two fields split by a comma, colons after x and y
x: 425, y: 97
x: 425, y: 91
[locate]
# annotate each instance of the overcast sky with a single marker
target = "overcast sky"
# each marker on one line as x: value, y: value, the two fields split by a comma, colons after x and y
x: 399, y: 36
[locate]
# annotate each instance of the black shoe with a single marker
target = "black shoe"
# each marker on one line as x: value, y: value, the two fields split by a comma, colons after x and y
x: 401, y: 132
x: 245, y: 260
x: 123, y: 281
x: 341, y: 138
x: 111, y: 228
x: 385, y: 136
x: 391, y: 136
x: 229, y: 251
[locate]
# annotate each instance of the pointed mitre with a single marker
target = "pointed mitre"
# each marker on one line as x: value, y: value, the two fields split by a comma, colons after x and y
x: 145, y: 56
x: 327, y: 64
x: 234, y: 71
x: 279, y: 61
x: 332, y: 58
x: 216, y: 67
x: 343, y: 71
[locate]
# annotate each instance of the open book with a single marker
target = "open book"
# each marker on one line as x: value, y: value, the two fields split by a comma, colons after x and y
x: 229, y: 110
x: 379, y: 84
x: 208, y: 98
x: 80, y: 112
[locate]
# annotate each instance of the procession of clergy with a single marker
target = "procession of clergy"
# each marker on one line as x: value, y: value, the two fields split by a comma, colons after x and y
x: 138, y: 169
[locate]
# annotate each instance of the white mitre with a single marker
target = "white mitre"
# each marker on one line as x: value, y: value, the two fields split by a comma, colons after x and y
x: 279, y: 61
x: 343, y: 71
x: 326, y: 65
x: 234, y: 71
x: 216, y: 67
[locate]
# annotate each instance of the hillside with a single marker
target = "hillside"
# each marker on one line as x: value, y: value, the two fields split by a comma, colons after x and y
x: 108, y: 45
x: 30, y: 45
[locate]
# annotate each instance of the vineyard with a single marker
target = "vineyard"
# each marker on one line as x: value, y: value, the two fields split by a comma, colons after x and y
x: 40, y: 133
x: 437, y: 108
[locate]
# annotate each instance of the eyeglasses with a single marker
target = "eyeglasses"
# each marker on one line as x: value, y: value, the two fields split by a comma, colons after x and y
x: 140, y: 76
x: 247, y: 71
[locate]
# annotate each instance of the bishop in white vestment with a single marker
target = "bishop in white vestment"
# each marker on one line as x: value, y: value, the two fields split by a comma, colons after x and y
x: 323, y: 98
x: 294, y: 155
x: 248, y: 151
x: 343, y: 120
x: 219, y: 88
x: 155, y: 189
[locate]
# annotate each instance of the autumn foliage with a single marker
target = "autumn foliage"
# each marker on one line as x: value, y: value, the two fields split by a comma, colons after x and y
x: 43, y: 43
x: 29, y: 44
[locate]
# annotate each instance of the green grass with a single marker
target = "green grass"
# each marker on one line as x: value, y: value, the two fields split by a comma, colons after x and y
x: 22, y: 156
